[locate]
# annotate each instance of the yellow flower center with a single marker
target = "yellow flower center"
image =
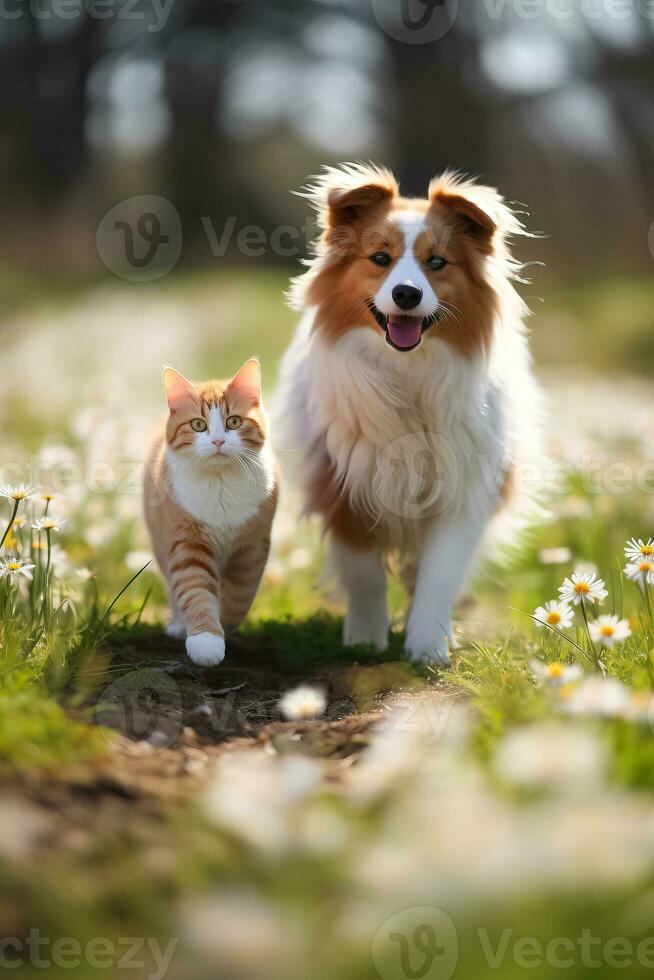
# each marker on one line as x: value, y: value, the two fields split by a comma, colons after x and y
x: 645, y: 566
x: 555, y: 670
x: 553, y: 618
x: 647, y: 549
x: 607, y: 630
x: 13, y: 566
x: 581, y: 587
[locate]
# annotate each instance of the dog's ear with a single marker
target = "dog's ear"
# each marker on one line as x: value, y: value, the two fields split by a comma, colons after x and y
x: 347, y: 203
x: 341, y: 194
x: 480, y: 210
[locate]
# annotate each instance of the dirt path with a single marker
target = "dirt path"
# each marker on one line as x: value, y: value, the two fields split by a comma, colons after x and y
x: 170, y: 721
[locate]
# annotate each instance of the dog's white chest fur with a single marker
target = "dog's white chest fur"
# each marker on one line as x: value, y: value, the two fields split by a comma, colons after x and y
x: 412, y: 436
x: 224, y: 500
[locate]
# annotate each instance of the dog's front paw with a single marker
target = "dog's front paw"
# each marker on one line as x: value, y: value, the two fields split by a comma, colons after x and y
x: 205, y: 649
x: 362, y: 630
x: 427, y: 647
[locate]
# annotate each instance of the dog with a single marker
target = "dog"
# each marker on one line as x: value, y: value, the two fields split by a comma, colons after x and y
x: 408, y: 390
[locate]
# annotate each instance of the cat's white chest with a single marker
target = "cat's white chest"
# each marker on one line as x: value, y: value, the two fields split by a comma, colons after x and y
x: 223, y: 501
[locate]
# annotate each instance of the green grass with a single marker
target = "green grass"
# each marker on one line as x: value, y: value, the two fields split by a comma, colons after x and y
x: 37, y: 735
x: 598, y: 326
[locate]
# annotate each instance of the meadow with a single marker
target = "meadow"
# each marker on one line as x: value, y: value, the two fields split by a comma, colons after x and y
x: 497, y: 817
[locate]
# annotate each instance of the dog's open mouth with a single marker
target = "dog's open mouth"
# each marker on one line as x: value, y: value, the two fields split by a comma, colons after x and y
x: 403, y: 332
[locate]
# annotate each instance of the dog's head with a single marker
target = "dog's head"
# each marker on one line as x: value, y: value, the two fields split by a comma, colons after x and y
x: 407, y: 268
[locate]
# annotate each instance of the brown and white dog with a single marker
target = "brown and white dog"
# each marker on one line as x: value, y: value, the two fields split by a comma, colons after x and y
x: 408, y: 389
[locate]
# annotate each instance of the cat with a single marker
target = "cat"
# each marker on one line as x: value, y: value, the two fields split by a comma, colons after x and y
x: 210, y: 494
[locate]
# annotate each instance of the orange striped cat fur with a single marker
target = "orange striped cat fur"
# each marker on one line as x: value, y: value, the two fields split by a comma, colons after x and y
x: 210, y: 493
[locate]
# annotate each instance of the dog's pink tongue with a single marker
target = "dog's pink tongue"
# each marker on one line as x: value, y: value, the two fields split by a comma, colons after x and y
x: 404, y: 331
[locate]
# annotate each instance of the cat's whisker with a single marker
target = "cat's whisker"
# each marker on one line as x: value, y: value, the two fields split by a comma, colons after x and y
x: 247, y: 470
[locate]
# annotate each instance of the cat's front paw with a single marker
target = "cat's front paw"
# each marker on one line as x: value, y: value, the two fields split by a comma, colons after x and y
x: 177, y: 629
x: 427, y: 648
x: 205, y: 649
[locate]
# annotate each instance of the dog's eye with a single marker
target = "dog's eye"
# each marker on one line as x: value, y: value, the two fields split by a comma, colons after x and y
x: 436, y: 262
x: 234, y: 422
x: 381, y: 258
x: 198, y: 425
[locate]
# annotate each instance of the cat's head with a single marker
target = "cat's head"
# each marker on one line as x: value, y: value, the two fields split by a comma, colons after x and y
x: 214, y: 422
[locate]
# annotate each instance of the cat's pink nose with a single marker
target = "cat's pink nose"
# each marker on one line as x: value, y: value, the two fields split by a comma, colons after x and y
x: 218, y: 443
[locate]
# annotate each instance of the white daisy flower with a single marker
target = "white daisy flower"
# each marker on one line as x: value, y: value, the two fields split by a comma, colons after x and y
x: 21, y: 492
x: 555, y: 673
x: 48, y: 524
x: 551, y: 755
x: 635, y: 549
x: 641, y: 571
x: 609, y: 630
x: 554, y: 613
x: 582, y: 586
x: 302, y: 702
x: 13, y: 567
x: 85, y: 574
x: 603, y: 696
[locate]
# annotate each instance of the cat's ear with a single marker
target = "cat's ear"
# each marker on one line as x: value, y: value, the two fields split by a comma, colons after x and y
x: 181, y: 394
x: 246, y: 383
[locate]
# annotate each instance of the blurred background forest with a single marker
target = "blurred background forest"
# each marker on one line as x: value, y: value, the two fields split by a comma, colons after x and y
x: 222, y: 106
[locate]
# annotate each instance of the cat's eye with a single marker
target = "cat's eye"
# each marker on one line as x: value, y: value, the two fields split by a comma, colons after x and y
x: 233, y: 422
x: 198, y: 425
x: 435, y: 262
x: 381, y: 258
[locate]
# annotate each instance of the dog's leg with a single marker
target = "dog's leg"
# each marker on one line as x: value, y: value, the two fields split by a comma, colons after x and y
x: 364, y: 580
x: 446, y: 558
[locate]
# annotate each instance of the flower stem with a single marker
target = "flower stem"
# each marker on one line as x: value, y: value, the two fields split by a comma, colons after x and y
x: 648, y: 603
x: 46, y: 582
x: 592, y: 646
x: 10, y: 524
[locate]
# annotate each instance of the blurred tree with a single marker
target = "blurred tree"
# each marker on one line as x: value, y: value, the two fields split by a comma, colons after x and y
x: 229, y: 103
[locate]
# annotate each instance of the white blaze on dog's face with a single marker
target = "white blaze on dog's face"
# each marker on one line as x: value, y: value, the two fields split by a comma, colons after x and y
x: 408, y: 268
x: 406, y: 299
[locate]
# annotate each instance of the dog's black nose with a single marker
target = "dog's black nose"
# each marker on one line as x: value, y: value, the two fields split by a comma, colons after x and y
x: 406, y: 295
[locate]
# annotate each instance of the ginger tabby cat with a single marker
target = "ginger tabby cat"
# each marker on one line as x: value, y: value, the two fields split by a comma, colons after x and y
x: 210, y: 494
